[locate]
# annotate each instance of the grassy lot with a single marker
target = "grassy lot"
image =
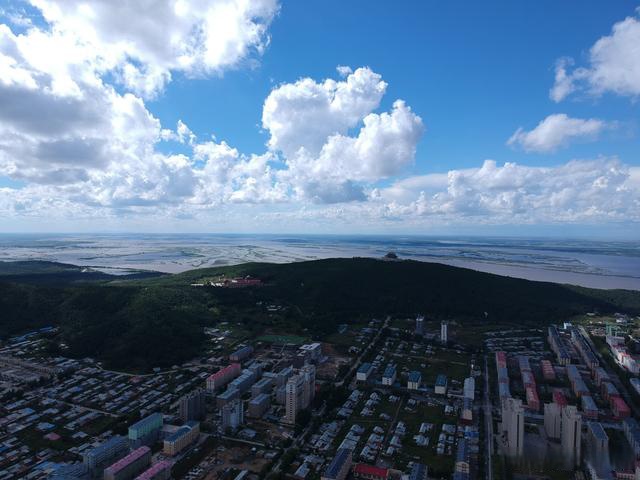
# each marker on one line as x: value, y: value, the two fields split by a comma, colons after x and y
x: 282, y: 339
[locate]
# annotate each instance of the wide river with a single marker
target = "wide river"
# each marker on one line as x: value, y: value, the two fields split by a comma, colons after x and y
x: 599, y: 264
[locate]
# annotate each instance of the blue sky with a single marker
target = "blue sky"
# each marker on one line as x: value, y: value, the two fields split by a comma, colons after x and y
x: 470, y: 74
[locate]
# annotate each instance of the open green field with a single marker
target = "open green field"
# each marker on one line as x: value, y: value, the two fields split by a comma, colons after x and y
x: 282, y: 339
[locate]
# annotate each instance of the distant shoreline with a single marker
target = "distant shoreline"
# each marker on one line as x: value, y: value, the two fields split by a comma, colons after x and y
x: 589, y: 263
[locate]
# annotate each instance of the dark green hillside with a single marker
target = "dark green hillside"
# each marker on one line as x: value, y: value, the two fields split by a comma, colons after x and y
x: 338, y: 290
x: 40, y: 272
x: 139, y: 324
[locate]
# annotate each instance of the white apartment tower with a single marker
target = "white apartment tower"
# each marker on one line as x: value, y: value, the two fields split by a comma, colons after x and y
x: 294, y: 398
x: 571, y: 435
x: 443, y: 332
x: 300, y: 391
x: 552, y: 420
x: 233, y: 415
x: 308, y: 373
x: 513, y: 426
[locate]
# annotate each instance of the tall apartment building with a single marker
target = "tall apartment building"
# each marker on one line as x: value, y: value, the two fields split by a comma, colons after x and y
x: 513, y: 426
x: 571, y: 435
x: 233, y: 415
x: 294, y: 396
x: 300, y: 392
x: 552, y: 419
x: 145, y: 431
x: 308, y: 373
x: 96, y: 459
x: 444, y: 336
x: 419, y: 325
x: 192, y: 406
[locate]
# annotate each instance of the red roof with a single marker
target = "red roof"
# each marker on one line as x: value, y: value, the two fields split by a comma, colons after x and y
x: 364, y: 469
x: 233, y: 367
x: 559, y: 398
x: 619, y: 404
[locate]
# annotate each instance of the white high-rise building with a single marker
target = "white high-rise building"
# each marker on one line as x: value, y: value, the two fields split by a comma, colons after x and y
x: 308, y: 372
x: 443, y: 332
x: 233, y: 414
x: 294, y: 391
x: 552, y: 419
x: 300, y: 391
x: 571, y: 435
x: 513, y: 426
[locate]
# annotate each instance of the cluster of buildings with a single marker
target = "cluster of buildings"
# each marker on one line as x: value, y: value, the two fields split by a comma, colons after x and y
x: 622, y: 355
x: 585, y: 402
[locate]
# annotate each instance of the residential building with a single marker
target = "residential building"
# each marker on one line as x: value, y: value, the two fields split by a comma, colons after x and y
x: 364, y: 372
x: 369, y: 472
x: 419, y: 471
x: 222, y: 377
x: 294, y: 398
x: 97, y: 458
x: 420, y: 325
x: 158, y: 471
x: 552, y: 420
x: 414, y: 381
x: 192, y: 406
x: 259, y: 405
x: 241, y: 354
x: 469, y: 388
x: 181, y: 438
x: 233, y: 415
x: 571, y: 436
x: 128, y: 467
x: 389, y: 375
x: 513, y: 426
x: 339, y: 466
x: 441, y: 384
x: 145, y: 431
x: 444, y: 334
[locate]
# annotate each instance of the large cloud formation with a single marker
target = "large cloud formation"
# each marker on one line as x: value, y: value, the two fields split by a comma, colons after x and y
x: 614, y: 65
x: 76, y: 133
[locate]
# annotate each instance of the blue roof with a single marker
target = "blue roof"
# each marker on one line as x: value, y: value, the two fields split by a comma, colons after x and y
x: 418, y: 471
x: 415, y: 376
x: 441, y: 380
x: 597, y: 431
x: 115, y: 441
x: 186, y: 428
x: 588, y: 403
x: 336, y: 464
x: 154, y: 418
x: 364, y: 368
x: 390, y: 371
x: 462, y: 455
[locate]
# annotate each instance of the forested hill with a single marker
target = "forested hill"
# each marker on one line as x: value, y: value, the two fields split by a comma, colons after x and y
x: 158, y: 321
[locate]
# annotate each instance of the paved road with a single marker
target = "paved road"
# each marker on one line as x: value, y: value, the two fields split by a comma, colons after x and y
x: 488, y: 418
x: 357, y: 363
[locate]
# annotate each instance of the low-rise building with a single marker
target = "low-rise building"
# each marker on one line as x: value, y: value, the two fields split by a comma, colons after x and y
x: 414, y: 381
x: 441, y: 384
x: 339, y: 467
x: 181, y: 438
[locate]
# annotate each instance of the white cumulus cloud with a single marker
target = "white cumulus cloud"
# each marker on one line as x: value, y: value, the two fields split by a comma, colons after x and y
x: 614, y: 65
x: 556, y: 131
